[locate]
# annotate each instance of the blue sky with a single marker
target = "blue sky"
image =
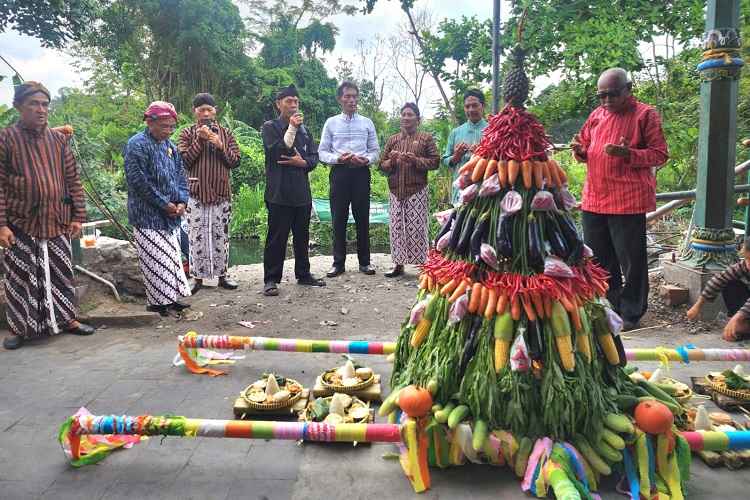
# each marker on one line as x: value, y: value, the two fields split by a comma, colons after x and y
x: 56, y: 68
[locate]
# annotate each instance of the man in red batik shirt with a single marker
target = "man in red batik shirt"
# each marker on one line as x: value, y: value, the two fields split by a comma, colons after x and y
x: 621, y: 143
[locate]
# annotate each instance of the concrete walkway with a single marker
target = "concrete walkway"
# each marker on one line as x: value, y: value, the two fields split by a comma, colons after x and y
x: 129, y: 372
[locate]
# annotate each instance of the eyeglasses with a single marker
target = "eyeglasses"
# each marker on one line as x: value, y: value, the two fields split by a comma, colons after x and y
x: 610, y: 93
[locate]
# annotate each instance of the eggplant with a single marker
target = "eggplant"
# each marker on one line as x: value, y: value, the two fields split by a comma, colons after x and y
x: 555, y: 239
x: 504, y: 241
x: 446, y: 227
x: 536, y: 258
x: 466, y: 230
x: 479, y: 234
x: 470, y: 345
x: 460, y: 218
x: 571, y: 237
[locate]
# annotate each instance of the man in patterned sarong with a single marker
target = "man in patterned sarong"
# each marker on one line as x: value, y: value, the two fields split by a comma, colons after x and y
x: 209, y: 151
x: 41, y: 208
x: 157, y: 197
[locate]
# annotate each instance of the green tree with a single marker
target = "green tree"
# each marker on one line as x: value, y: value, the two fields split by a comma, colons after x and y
x: 173, y: 48
x: 53, y: 22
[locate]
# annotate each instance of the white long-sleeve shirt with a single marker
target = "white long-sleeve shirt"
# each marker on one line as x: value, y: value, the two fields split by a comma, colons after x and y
x: 345, y: 134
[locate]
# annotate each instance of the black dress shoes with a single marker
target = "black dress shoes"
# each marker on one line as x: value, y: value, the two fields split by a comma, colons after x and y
x: 335, y: 271
x: 397, y: 270
x: 310, y: 280
x: 368, y: 270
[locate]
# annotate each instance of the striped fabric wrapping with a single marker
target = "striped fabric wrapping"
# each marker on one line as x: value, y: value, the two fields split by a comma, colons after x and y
x: 192, y: 341
x: 161, y: 264
x: 148, y: 425
x: 39, y: 285
x: 692, y: 354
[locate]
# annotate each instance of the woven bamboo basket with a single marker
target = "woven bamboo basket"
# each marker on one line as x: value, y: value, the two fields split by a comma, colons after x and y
x: 719, y: 385
x: 294, y: 397
x: 346, y: 389
x: 304, y: 415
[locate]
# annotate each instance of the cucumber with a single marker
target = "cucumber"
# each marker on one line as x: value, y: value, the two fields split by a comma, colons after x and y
x: 662, y: 396
x: 432, y: 387
x: 640, y: 391
x: 480, y: 434
x: 626, y: 403
x: 390, y: 404
x: 594, y: 460
x: 442, y: 415
x: 612, y: 439
x: 630, y: 369
x: 669, y: 389
x: 619, y: 423
x: 436, y: 408
x: 522, y: 457
x: 607, y: 452
x: 457, y: 415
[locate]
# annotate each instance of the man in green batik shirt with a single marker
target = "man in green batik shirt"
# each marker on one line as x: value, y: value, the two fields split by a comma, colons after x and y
x: 462, y: 140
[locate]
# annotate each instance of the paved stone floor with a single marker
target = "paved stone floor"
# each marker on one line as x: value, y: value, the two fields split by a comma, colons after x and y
x: 130, y: 372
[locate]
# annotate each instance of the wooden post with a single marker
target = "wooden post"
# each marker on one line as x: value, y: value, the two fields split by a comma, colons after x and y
x: 712, y: 241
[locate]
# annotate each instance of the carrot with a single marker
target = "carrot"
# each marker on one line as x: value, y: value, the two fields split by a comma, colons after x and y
x: 502, y: 303
x: 449, y: 287
x: 555, y: 173
x: 526, y: 173
x: 536, y: 298
x: 576, y: 318
x: 479, y: 168
x: 491, y: 169
x: 423, y: 282
x: 515, y: 308
x: 502, y: 172
x: 513, y: 168
x: 547, y: 301
x: 528, y: 308
x: 484, y: 299
x: 489, y: 311
x: 460, y: 290
x: 430, y: 282
x: 566, y: 303
x: 538, y: 172
x: 546, y: 173
x: 469, y: 165
x: 474, y: 297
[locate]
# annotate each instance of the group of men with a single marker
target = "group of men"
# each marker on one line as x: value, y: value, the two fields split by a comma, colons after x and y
x: 42, y: 204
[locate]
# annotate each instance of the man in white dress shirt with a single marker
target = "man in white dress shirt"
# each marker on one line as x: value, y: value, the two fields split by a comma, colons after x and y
x: 349, y: 145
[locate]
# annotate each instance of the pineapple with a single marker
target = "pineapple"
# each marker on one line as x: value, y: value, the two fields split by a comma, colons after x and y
x: 516, y: 84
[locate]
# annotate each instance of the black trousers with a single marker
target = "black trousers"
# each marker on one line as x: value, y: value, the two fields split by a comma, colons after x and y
x: 282, y: 219
x: 619, y: 245
x: 350, y: 186
x: 735, y: 294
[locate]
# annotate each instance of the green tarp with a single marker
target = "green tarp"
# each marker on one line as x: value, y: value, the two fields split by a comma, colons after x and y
x: 378, y: 211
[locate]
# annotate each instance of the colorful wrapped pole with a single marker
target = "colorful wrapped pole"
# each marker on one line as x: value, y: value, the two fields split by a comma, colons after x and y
x: 192, y: 340
x: 687, y: 353
x: 78, y: 427
x: 717, y: 441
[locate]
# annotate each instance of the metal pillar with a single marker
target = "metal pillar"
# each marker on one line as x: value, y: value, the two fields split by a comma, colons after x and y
x: 496, y: 57
x: 719, y: 72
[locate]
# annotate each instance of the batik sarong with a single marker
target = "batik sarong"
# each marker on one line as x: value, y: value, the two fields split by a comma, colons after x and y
x: 209, y: 238
x: 39, y: 292
x: 161, y: 264
x: 408, y: 228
